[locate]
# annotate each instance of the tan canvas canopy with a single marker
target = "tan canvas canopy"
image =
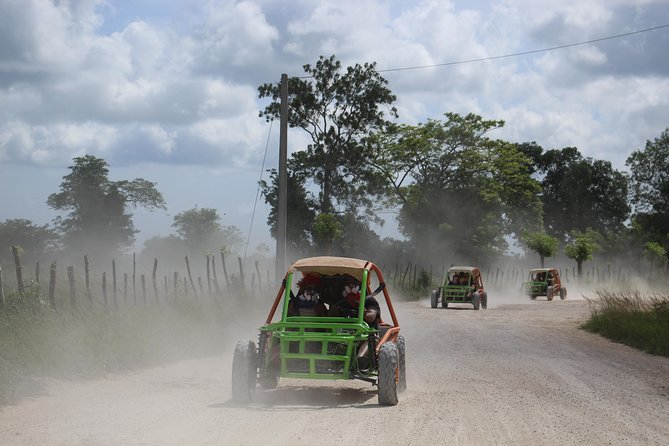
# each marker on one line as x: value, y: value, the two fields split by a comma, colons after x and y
x: 328, y: 265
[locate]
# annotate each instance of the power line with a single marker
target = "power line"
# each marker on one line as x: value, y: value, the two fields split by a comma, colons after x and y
x: 523, y: 53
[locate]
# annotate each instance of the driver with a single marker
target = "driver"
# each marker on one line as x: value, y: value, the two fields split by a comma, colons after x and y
x: 351, y: 301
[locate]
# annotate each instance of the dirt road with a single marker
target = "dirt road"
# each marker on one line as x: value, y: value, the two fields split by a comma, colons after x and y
x: 519, y: 374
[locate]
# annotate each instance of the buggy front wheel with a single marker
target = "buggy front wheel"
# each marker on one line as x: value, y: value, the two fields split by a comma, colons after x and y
x: 244, y: 373
x: 476, y: 301
x: 484, y: 300
x: 388, y: 374
x: 434, y: 298
x: 563, y: 293
x: 401, y: 354
x: 549, y: 293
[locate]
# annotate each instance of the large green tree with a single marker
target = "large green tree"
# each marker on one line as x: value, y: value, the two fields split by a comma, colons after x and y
x: 649, y: 184
x: 99, y: 220
x: 579, y: 192
x: 541, y: 243
x: 582, y: 246
x: 338, y: 109
x: 201, y: 230
x: 459, y: 191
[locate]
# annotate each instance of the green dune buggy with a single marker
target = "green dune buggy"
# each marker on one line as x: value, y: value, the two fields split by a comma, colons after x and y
x: 318, y: 328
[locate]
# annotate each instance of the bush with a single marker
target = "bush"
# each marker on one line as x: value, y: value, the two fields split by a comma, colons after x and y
x: 629, y: 317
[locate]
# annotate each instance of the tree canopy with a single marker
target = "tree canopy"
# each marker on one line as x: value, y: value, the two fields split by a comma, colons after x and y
x: 99, y: 219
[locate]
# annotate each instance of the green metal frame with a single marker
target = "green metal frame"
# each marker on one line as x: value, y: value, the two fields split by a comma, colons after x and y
x: 536, y: 288
x: 314, y: 347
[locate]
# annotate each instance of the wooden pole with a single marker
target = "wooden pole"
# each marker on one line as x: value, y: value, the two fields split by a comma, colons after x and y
x: 241, y: 272
x: 190, y: 277
x: 73, y: 290
x: 257, y: 262
x: 19, y: 270
x: 2, y: 291
x: 37, y: 273
x: 209, y: 277
x: 52, y: 286
x: 143, y: 282
x: 153, y: 279
x: 134, y: 272
x: 87, y: 279
x: 114, y: 293
x: 225, y: 271
x: 104, y: 288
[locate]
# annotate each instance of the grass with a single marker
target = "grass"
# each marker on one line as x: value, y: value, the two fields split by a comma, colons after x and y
x: 92, y: 339
x: 631, y: 318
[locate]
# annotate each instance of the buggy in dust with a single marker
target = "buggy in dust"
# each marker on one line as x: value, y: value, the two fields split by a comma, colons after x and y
x: 325, y: 323
x: 545, y: 282
x: 463, y: 284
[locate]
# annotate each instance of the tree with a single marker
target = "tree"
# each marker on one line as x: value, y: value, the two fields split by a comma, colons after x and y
x: 649, y: 184
x: 327, y: 230
x: 578, y: 192
x: 201, y: 230
x: 34, y: 240
x: 581, y: 247
x: 458, y: 190
x: 655, y: 253
x: 99, y: 220
x: 338, y: 110
x: 541, y: 243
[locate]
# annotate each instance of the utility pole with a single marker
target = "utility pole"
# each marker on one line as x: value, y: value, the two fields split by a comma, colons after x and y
x: 283, y: 188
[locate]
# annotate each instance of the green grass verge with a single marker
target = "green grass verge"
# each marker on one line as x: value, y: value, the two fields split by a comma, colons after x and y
x: 92, y: 340
x: 628, y: 317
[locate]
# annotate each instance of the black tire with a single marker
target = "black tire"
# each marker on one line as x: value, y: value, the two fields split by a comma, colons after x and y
x: 533, y: 297
x: 549, y: 293
x: 244, y: 372
x: 484, y: 300
x: 563, y: 293
x: 476, y: 301
x: 434, y: 298
x: 444, y: 304
x: 267, y: 378
x: 401, y: 353
x: 388, y: 374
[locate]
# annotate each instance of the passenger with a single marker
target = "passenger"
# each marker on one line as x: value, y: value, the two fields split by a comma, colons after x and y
x: 464, y: 279
x: 455, y: 280
x: 348, y: 306
x: 307, y: 302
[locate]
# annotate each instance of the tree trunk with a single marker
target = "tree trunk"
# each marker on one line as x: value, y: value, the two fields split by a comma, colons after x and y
x: 579, y: 265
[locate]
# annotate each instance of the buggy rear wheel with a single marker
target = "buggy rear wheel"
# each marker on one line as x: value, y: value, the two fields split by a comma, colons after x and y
x: 401, y: 354
x: 388, y: 374
x: 244, y: 372
x: 484, y: 300
x: 563, y: 293
x: 434, y: 298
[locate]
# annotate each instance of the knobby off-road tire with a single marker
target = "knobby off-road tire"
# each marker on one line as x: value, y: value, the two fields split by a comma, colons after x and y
x: 444, y: 303
x: 484, y: 300
x: 388, y: 374
x: 549, y: 293
x: 244, y: 372
x: 434, y: 298
x: 476, y: 301
x: 563, y: 293
x: 401, y: 354
x: 267, y: 378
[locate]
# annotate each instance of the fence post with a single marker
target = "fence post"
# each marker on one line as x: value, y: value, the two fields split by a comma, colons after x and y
x: 209, y: 277
x: 190, y: 277
x: 225, y: 271
x: 257, y: 262
x: 73, y: 290
x: 52, y: 286
x: 2, y: 291
x: 241, y: 272
x: 87, y: 279
x: 19, y: 270
x: 37, y: 273
x: 143, y: 281
x: 134, y: 272
x: 114, y: 283
x: 104, y: 287
x: 153, y: 278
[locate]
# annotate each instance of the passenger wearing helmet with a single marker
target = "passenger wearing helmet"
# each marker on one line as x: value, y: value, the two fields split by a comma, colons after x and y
x: 350, y: 302
x: 307, y: 302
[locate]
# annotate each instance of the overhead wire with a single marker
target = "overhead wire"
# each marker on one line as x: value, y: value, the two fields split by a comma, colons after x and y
x: 255, y: 203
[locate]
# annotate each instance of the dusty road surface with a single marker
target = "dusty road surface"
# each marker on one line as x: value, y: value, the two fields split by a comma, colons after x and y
x: 517, y: 374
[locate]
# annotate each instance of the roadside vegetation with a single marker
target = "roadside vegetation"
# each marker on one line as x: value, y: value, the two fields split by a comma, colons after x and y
x: 92, y: 340
x: 632, y: 318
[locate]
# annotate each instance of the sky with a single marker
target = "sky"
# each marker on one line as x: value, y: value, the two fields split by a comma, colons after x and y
x: 167, y: 90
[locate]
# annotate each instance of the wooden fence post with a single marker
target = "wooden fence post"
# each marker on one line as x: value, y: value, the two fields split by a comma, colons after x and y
x: 190, y: 277
x: 73, y: 290
x: 52, y: 286
x: 87, y: 279
x: 125, y: 287
x: 19, y: 270
x: 209, y: 277
x: 114, y: 283
x: 225, y: 271
x: 241, y: 272
x: 37, y: 273
x: 257, y: 262
x: 134, y: 272
x: 104, y: 288
x: 2, y: 291
x: 213, y: 268
x: 143, y: 281
x: 153, y: 278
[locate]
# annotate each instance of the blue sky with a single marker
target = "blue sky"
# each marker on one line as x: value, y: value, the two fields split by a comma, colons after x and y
x: 167, y: 90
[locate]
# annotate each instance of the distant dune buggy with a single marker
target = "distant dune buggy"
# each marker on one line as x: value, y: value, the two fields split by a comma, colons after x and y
x: 463, y: 284
x: 325, y: 328
x: 545, y: 282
